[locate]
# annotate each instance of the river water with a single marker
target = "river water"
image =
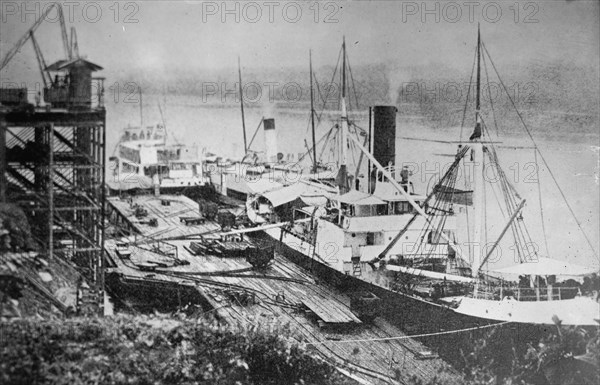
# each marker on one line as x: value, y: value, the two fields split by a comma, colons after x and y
x: 574, y: 162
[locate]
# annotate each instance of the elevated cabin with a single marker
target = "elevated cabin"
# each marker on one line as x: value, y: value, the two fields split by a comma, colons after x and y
x: 72, y: 84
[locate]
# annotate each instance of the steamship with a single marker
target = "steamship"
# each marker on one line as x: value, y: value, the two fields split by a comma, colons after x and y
x: 262, y: 171
x: 405, y: 247
x: 143, y: 160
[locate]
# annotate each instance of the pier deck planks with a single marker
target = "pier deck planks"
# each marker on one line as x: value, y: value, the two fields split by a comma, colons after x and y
x: 283, y: 317
x: 169, y: 223
x: 330, y: 311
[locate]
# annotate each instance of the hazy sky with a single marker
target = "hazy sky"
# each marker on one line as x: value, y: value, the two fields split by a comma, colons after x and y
x: 197, y: 37
x: 161, y: 35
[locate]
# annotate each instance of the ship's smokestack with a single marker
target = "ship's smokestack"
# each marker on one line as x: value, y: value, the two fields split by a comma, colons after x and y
x: 384, y: 134
x: 270, y: 140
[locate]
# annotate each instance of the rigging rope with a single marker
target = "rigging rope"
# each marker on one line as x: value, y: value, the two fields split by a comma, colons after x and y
x: 353, y: 84
x: 462, y: 125
x: 445, y: 187
x: 542, y: 156
x: 331, y: 83
x: 510, y: 204
x: 324, y: 100
x: 415, y: 335
x: 518, y: 228
x: 487, y: 79
x: 539, y: 186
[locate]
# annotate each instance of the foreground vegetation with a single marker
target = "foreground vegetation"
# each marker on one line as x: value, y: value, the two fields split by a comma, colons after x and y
x: 144, y: 350
x: 161, y: 350
x: 562, y: 356
x: 516, y: 354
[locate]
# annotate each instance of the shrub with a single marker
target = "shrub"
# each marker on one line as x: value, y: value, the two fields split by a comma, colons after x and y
x: 149, y: 350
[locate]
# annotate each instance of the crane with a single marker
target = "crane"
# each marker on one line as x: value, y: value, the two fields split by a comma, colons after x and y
x: 30, y: 35
x: 41, y: 60
x: 74, y: 46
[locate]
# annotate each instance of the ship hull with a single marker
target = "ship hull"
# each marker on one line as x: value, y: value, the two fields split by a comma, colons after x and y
x: 412, y: 314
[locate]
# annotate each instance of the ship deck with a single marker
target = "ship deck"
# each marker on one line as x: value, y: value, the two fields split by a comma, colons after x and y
x: 283, y: 299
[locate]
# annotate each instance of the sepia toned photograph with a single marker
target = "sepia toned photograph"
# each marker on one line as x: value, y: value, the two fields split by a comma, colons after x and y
x: 299, y: 192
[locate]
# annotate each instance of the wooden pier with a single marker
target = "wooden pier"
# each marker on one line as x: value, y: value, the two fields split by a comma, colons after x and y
x: 330, y: 311
x: 283, y: 298
x: 170, y: 219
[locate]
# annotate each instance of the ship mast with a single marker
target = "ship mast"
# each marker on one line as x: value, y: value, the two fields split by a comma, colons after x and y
x: 344, y: 160
x: 312, y: 114
x: 242, y: 107
x: 162, y: 117
x: 478, y: 99
x: 141, y: 111
x: 343, y: 171
x: 478, y: 159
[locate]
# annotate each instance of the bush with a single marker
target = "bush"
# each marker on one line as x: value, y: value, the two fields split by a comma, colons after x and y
x: 534, y: 355
x: 145, y: 350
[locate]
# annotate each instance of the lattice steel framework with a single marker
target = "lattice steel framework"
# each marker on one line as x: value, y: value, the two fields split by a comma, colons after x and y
x: 54, y: 168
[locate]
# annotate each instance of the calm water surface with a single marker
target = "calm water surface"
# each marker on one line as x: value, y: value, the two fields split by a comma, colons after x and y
x: 574, y: 162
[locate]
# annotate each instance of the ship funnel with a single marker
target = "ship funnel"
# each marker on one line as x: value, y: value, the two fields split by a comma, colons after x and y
x: 384, y: 134
x: 270, y: 140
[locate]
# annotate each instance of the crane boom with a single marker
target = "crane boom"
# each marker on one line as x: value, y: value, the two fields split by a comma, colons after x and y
x: 40, y: 59
x: 19, y: 44
x: 74, y: 44
x: 63, y: 29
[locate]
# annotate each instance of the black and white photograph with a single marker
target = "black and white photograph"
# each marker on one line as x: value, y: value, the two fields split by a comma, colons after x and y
x: 342, y: 192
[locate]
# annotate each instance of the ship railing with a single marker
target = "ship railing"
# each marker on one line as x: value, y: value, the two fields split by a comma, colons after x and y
x: 525, y: 294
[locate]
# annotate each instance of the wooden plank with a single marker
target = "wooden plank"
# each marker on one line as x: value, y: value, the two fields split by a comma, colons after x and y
x: 329, y: 310
x: 328, y: 303
x: 169, y: 224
